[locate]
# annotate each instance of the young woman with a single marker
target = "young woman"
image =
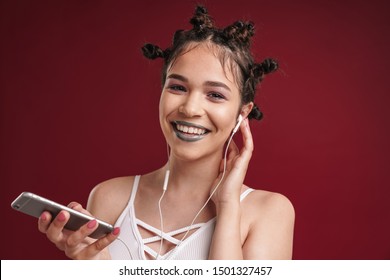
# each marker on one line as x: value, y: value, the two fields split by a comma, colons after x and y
x: 196, y: 206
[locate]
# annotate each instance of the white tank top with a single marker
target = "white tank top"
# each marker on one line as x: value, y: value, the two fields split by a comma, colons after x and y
x: 194, y: 247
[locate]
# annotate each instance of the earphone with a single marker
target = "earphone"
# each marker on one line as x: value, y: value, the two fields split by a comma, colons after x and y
x: 166, y: 179
x: 239, y: 121
x: 235, y: 129
x: 165, y: 186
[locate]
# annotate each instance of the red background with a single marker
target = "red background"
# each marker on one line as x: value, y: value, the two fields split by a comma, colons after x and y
x: 79, y: 105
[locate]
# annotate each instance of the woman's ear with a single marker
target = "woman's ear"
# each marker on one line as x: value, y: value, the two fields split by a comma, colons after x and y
x: 246, y: 109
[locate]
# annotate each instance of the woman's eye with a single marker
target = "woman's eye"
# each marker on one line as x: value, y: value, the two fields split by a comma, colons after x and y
x: 176, y: 88
x: 216, y: 96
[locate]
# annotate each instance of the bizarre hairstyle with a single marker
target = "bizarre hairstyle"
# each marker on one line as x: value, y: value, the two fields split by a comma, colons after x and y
x: 234, y: 42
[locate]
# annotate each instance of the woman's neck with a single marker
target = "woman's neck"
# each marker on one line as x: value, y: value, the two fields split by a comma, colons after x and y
x: 193, y: 176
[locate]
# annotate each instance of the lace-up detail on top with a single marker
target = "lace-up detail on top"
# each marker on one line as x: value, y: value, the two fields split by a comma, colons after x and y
x: 194, y: 247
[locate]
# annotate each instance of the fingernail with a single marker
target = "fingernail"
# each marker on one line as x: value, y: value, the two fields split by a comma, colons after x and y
x: 71, y: 205
x: 116, y: 231
x: 91, y: 224
x: 61, y: 217
x: 43, y: 217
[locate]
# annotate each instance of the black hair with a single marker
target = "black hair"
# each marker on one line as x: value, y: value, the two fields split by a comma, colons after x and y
x: 235, y: 42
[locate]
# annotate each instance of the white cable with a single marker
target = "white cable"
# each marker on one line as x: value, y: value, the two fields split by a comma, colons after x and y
x: 165, y: 187
x: 166, y: 179
x: 211, y: 195
x: 128, y: 250
x: 161, y: 222
x: 161, y: 219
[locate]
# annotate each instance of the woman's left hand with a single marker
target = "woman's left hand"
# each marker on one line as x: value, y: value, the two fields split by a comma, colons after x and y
x: 237, y: 162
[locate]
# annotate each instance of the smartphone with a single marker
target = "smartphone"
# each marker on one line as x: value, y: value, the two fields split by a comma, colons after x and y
x: 34, y: 205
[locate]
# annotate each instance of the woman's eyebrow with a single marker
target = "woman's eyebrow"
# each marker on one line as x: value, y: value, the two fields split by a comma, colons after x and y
x: 217, y: 84
x: 177, y: 77
x: 207, y: 83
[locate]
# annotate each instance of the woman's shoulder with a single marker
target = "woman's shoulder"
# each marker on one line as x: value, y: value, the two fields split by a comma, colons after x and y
x: 267, y: 206
x: 108, y: 199
x: 112, y: 187
x: 268, y: 224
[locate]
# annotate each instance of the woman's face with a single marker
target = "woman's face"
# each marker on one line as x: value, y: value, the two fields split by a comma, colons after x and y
x: 199, y: 104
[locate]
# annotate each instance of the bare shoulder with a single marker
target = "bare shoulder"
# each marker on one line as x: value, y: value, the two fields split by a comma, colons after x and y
x: 269, y: 204
x: 268, y: 219
x: 108, y: 199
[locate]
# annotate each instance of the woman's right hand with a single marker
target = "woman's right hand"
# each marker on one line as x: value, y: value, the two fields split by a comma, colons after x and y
x: 76, y: 244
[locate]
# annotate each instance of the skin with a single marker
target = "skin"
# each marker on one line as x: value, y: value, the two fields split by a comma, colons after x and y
x: 199, y: 92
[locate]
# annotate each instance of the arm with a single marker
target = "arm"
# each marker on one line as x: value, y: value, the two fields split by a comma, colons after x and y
x: 270, y: 219
x: 226, y: 242
x: 76, y: 244
x: 271, y: 226
x: 261, y: 227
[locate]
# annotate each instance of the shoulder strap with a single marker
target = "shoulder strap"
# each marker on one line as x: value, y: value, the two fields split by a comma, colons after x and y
x: 134, y: 189
x: 245, y: 193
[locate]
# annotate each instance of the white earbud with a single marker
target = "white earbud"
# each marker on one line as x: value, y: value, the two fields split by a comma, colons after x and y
x: 239, y: 120
x: 165, y: 186
x: 166, y: 179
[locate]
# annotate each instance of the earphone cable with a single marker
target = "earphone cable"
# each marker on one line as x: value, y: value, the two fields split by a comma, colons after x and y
x: 127, y: 248
x: 211, y: 195
x: 161, y: 224
x: 165, y: 186
x: 196, y: 216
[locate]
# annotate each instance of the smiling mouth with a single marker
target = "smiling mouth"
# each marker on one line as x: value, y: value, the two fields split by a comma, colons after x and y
x: 189, y: 132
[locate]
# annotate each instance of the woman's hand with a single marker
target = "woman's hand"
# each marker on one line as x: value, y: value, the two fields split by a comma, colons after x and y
x: 266, y: 236
x: 226, y: 242
x: 237, y: 163
x: 76, y: 244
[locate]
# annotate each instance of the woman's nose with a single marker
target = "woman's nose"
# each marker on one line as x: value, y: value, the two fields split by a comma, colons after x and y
x: 192, y: 106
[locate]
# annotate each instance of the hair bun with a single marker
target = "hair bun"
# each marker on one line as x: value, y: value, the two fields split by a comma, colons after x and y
x: 259, y: 70
x: 269, y: 65
x: 240, y: 32
x: 200, y: 10
x: 201, y: 19
x: 255, y: 113
x: 152, y: 51
x: 178, y: 36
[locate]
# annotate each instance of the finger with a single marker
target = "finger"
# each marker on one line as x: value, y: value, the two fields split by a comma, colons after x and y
x: 245, y: 155
x: 44, y: 221
x: 248, y: 146
x: 221, y: 165
x: 80, y: 235
x: 100, y: 244
x: 78, y: 207
x: 233, y: 152
x: 75, y: 205
x: 54, y: 231
x: 103, y: 242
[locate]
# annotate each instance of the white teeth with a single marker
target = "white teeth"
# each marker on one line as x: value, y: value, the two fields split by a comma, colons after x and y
x: 190, y: 129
